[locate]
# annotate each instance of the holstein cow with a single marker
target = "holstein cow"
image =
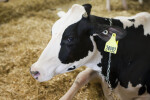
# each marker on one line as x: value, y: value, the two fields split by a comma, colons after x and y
x: 79, y: 38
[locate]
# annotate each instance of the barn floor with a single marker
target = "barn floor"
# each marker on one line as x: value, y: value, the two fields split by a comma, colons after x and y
x: 25, y: 27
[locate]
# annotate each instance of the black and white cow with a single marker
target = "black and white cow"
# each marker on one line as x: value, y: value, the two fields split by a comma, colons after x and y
x: 78, y: 38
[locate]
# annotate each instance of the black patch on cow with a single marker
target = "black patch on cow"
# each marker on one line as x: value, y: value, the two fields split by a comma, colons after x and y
x: 99, y: 65
x: 142, y: 90
x: 80, y: 44
x: 148, y: 81
x: 72, y: 68
x: 132, y: 20
x: 87, y: 8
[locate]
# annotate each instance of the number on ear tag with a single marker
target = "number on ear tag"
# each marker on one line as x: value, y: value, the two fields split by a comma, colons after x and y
x: 111, y: 45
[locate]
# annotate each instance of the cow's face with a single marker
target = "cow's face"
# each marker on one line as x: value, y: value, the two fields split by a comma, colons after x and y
x: 71, y: 46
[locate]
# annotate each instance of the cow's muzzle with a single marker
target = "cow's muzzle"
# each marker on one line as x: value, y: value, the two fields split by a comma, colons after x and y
x: 35, y: 74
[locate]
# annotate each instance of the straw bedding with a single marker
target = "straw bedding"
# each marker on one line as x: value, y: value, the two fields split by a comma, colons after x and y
x: 25, y: 27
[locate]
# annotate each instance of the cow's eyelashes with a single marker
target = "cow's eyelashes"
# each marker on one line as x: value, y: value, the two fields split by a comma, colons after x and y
x: 70, y: 39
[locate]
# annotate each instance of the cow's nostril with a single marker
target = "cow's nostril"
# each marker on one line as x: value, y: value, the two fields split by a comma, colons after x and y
x: 35, y: 74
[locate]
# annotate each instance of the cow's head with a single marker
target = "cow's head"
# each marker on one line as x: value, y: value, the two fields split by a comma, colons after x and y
x: 71, y: 46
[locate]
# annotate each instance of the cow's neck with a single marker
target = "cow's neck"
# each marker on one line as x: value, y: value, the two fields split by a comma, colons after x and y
x: 105, y: 21
x: 100, y: 44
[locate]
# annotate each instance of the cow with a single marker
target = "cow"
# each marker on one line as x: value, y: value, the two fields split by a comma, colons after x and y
x: 79, y: 38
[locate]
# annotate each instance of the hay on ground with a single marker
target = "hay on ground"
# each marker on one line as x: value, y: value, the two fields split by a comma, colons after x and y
x: 25, y: 27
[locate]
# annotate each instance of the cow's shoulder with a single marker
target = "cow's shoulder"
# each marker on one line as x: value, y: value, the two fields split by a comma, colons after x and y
x: 140, y: 19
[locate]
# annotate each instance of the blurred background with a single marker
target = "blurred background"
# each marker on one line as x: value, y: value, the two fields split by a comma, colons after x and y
x: 25, y: 30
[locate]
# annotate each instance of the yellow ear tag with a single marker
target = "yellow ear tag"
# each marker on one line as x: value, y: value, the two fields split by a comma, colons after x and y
x: 111, y: 45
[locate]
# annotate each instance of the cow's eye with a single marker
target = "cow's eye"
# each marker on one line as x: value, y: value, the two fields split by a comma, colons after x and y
x: 105, y: 32
x: 70, y: 39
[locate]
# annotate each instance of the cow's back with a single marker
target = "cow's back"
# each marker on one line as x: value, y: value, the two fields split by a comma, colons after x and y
x: 133, y: 77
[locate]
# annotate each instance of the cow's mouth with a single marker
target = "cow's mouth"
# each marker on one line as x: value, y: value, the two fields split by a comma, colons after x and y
x: 71, y: 68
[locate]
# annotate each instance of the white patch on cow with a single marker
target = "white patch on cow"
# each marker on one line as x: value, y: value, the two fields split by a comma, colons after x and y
x: 140, y: 19
x: 130, y: 93
x: 95, y: 58
x: 125, y: 21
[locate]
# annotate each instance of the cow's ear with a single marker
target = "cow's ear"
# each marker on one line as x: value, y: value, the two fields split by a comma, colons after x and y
x: 61, y: 14
x: 106, y: 33
x: 88, y: 8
